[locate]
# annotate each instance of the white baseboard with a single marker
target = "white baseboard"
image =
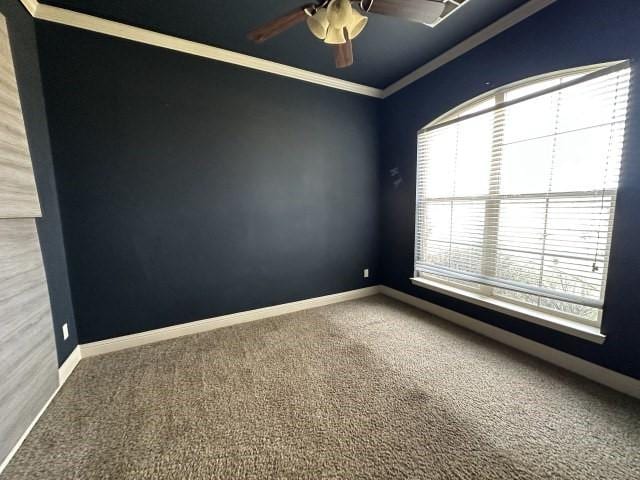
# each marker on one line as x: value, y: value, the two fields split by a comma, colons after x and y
x: 69, y: 365
x: 63, y: 374
x: 604, y: 376
x: 199, y: 326
x: 615, y: 380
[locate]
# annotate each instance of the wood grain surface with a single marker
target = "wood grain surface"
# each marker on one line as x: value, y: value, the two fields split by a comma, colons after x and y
x: 28, y: 362
x: 18, y: 194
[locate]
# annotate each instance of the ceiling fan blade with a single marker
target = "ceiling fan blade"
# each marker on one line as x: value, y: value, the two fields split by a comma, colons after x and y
x: 422, y: 11
x: 343, y: 53
x: 277, y: 26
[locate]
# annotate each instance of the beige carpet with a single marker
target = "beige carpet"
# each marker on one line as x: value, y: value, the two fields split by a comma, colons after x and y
x: 360, y: 390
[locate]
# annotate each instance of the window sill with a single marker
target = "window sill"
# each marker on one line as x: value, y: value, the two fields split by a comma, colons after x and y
x: 563, y: 325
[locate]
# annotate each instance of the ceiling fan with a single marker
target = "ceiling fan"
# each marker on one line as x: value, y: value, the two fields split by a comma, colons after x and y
x: 337, y: 22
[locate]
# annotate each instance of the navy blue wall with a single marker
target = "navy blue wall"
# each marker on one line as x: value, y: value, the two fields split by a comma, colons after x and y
x: 191, y: 188
x: 567, y: 34
x: 25, y: 57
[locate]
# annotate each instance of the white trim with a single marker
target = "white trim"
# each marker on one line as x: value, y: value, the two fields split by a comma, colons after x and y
x: 604, y: 376
x: 149, y: 37
x: 69, y: 365
x: 31, y: 6
x: 499, y: 26
x: 116, y: 29
x: 199, y: 326
x: 63, y: 374
x: 564, y: 325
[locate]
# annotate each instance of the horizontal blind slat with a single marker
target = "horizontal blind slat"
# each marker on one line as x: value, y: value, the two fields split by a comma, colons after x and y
x: 521, y: 196
x: 515, y: 286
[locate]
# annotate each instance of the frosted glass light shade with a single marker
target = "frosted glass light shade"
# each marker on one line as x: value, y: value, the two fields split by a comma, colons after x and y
x: 319, y: 23
x: 329, y: 24
x: 339, y: 13
x: 335, y: 36
x: 357, y: 24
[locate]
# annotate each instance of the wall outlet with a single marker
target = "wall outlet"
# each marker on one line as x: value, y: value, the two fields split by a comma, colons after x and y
x: 65, y: 331
x: 365, y: 274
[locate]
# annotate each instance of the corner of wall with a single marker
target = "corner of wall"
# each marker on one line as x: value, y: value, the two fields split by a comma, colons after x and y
x: 22, y: 28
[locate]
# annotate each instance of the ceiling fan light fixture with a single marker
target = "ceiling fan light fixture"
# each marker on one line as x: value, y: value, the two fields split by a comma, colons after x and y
x: 337, y: 22
x: 335, y: 36
x: 339, y: 13
x: 357, y: 24
x: 318, y: 23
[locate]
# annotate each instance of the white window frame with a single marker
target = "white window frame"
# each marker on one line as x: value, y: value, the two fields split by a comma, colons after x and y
x: 485, y: 295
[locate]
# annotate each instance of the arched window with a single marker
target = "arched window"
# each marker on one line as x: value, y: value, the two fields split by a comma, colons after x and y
x: 516, y: 195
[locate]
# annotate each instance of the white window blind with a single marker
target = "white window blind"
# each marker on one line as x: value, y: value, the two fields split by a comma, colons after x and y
x: 516, y: 197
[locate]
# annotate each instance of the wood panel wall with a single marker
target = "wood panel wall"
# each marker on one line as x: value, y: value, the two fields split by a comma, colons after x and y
x: 28, y: 361
x: 18, y: 195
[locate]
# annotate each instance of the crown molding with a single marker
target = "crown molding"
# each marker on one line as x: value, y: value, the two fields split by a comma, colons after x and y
x: 31, y: 6
x: 499, y: 26
x: 120, y: 30
x: 91, y: 23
